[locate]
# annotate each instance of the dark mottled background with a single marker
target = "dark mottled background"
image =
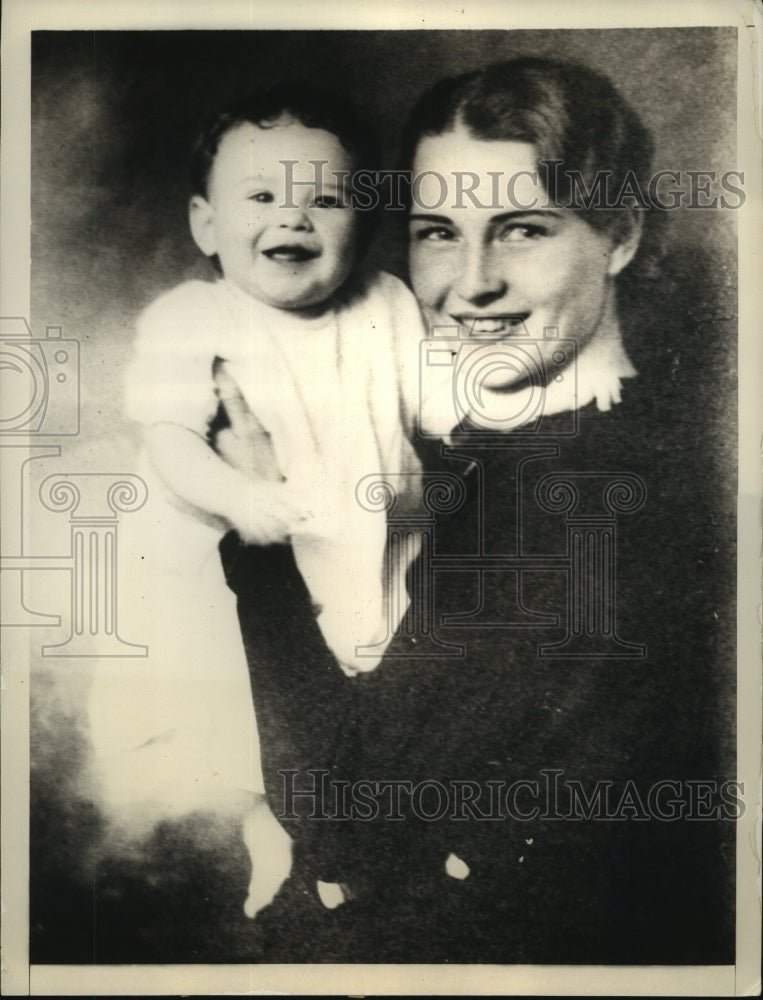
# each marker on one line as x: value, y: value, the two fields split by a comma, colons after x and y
x: 113, y: 115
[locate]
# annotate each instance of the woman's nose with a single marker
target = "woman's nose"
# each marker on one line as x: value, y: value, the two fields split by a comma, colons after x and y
x: 481, y: 278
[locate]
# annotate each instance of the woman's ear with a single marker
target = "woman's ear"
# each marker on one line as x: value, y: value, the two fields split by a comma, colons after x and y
x: 627, y: 241
x: 201, y: 218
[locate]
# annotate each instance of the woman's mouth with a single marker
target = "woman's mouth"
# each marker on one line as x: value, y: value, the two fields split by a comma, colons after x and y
x: 495, y: 325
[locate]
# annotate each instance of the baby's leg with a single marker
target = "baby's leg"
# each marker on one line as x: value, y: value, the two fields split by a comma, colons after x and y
x: 269, y: 847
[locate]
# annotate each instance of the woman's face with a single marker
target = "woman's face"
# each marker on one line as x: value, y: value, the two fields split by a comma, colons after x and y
x: 489, y: 253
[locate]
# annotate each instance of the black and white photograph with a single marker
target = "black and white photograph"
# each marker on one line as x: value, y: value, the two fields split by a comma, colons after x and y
x: 381, y: 502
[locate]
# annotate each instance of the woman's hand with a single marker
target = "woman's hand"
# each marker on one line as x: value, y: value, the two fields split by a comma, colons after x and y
x: 245, y: 445
x: 263, y: 511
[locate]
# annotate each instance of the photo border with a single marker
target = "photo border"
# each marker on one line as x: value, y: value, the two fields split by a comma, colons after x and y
x: 19, y: 19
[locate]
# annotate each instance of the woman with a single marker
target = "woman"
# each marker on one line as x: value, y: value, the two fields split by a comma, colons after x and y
x: 576, y: 671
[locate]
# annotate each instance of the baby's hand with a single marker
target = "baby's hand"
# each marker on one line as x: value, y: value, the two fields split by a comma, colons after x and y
x: 264, y: 514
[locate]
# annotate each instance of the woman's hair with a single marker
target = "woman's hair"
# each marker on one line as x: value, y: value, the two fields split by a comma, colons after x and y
x: 304, y: 103
x: 583, y: 132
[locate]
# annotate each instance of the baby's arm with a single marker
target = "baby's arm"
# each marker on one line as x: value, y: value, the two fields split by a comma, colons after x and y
x: 259, y: 510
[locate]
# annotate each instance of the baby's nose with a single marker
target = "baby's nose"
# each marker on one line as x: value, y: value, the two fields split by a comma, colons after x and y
x: 294, y: 218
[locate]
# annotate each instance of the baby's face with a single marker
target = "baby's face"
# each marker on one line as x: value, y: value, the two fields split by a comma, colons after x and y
x: 288, y: 243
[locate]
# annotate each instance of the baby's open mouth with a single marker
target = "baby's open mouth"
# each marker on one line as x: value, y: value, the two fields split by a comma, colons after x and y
x: 290, y: 253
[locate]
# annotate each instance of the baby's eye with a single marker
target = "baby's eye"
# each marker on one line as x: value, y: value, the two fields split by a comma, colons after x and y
x: 263, y: 197
x: 328, y: 201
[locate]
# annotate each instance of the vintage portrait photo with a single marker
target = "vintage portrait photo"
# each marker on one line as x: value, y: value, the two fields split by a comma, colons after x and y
x: 379, y: 539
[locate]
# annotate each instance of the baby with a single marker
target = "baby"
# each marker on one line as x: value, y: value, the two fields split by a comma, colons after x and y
x: 318, y: 349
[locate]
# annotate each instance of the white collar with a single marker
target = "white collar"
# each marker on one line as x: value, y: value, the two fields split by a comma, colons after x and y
x: 596, y: 375
x: 601, y: 366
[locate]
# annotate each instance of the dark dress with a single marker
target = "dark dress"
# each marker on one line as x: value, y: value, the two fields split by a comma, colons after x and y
x: 586, y: 577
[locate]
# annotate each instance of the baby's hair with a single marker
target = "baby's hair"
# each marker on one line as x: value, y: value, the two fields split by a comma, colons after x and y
x: 303, y: 103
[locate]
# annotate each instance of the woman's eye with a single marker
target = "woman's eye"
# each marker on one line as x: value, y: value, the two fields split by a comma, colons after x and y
x: 263, y: 197
x: 520, y: 233
x: 434, y: 234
